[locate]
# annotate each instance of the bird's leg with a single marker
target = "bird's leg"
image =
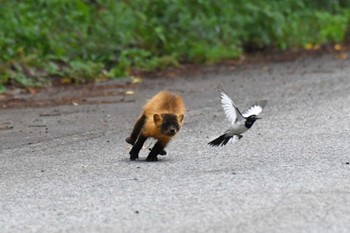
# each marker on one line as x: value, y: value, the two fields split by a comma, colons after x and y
x: 239, y: 136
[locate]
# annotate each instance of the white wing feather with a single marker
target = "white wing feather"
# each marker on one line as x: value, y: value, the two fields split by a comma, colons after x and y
x: 255, y: 109
x: 231, y: 111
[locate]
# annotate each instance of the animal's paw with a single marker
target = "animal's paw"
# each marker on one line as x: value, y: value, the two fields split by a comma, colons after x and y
x: 163, y: 152
x: 130, y: 141
x: 133, y: 157
x: 151, y: 159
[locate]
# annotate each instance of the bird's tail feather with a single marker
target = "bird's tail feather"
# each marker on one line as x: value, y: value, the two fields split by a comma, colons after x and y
x: 220, y: 141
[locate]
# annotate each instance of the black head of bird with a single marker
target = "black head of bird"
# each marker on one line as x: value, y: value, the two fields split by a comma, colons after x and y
x: 250, y: 120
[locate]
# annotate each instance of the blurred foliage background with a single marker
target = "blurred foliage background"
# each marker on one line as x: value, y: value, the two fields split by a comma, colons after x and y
x: 86, y: 40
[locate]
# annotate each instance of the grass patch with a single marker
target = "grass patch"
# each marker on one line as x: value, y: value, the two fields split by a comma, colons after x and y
x: 81, y: 41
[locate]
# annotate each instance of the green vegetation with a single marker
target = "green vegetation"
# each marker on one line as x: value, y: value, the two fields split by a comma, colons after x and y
x: 84, y: 40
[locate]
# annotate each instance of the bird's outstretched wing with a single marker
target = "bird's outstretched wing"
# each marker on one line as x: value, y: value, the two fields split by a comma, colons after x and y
x: 231, y: 111
x: 256, y: 109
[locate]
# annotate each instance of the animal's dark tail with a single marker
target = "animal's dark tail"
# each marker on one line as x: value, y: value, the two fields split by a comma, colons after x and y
x: 220, y: 141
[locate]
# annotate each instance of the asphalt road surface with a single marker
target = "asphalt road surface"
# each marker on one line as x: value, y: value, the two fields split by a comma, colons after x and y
x: 67, y: 169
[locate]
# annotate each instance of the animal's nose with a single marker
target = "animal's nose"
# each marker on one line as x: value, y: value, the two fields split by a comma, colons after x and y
x: 172, y: 130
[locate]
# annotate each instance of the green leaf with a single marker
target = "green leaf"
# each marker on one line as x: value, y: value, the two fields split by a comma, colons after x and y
x: 23, y: 80
x: 2, y: 89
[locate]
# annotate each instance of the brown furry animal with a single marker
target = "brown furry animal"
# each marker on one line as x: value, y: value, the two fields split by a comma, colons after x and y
x: 161, y: 119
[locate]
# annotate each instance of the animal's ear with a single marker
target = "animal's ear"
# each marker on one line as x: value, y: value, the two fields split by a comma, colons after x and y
x: 180, y: 117
x: 157, y: 119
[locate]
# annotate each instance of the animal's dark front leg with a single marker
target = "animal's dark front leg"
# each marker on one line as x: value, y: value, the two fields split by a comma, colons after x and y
x: 163, y: 152
x: 156, y: 150
x: 240, y: 136
x: 136, y: 131
x: 134, y: 152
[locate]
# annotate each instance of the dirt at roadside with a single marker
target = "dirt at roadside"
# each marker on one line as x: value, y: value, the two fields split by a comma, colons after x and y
x: 115, y: 91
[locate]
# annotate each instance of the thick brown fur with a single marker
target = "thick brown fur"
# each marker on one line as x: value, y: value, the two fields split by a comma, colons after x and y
x: 162, y: 118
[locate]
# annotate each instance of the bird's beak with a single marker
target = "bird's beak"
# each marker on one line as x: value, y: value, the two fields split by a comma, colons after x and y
x: 258, y: 118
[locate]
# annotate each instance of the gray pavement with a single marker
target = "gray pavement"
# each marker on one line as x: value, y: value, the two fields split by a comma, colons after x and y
x: 66, y: 169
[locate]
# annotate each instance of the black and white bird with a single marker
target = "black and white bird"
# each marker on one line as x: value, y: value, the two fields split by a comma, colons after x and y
x: 240, y: 122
